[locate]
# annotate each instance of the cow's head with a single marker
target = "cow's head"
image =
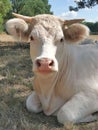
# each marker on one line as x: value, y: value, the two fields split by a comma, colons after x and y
x: 47, y: 35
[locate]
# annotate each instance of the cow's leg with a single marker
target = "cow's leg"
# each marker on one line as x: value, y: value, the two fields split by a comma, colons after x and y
x: 33, y: 103
x: 78, y: 109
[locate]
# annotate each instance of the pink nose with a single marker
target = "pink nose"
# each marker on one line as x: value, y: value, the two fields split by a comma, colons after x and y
x: 44, y: 64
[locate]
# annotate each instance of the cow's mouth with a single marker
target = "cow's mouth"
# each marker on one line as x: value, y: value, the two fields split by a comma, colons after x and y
x: 46, y: 71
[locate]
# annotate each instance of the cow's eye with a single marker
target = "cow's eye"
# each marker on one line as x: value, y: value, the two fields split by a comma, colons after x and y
x: 61, y: 40
x: 31, y: 38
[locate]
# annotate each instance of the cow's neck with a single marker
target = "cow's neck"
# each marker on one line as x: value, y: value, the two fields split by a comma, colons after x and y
x: 45, y: 89
x: 45, y: 85
x: 66, y: 69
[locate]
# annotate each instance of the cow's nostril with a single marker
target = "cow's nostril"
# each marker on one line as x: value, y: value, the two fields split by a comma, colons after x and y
x: 51, y: 63
x: 38, y: 63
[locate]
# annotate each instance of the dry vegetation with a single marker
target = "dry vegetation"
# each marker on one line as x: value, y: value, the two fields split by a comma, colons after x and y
x: 95, y: 37
x: 16, y: 80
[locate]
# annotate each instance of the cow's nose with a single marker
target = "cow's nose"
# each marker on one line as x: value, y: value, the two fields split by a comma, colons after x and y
x: 44, y: 64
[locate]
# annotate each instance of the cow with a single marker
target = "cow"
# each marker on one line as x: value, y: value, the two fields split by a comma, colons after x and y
x: 65, y: 73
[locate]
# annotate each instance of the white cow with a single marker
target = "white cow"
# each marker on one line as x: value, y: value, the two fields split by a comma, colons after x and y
x: 66, y: 74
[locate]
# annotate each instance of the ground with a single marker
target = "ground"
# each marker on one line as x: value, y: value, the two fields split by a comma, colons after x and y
x: 16, y: 83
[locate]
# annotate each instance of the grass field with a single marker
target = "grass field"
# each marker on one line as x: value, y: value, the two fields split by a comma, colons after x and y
x: 16, y: 80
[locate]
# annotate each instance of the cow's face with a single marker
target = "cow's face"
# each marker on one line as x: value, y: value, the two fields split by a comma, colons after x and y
x: 47, y: 35
x: 45, y: 38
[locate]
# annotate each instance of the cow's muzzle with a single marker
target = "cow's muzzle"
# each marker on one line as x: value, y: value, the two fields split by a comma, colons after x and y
x: 44, y: 65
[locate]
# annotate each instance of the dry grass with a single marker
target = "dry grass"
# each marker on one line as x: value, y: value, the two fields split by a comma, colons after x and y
x: 95, y: 37
x: 16, y: 80
x: 6, y: 38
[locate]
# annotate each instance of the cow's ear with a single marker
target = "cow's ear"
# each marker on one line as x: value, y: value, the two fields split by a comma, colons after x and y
x: 76, y: 32
x: 18, y: 28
